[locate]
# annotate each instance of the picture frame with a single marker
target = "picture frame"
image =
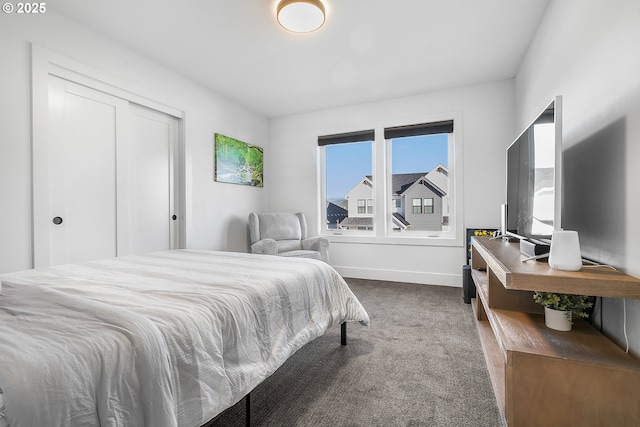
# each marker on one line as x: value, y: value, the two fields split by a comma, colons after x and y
x: 237, y: 162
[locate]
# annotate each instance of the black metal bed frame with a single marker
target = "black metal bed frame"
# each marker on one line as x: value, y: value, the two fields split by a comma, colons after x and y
x: 247, y: 399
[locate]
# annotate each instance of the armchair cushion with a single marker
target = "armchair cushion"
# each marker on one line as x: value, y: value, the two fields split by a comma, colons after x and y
x: 288, y: 245
x: 265, y: 247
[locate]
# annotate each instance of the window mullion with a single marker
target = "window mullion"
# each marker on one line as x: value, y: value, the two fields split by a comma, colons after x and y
x: 381, y: 205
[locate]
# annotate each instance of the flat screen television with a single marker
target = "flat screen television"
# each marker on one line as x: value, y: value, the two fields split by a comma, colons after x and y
x: 534, y: 178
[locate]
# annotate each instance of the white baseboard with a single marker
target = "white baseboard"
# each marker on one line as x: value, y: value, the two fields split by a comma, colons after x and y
x: 454, y: 280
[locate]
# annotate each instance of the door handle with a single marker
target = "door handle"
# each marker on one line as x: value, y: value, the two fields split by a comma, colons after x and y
x: 173, y: 217
x: 57, y: 220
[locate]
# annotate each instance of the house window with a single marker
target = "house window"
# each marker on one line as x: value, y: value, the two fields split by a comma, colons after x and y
x: 347, y: 179
x: 427, y: 206
x: 417, y: 206
x: 422, y: 206
x: 420, y: 169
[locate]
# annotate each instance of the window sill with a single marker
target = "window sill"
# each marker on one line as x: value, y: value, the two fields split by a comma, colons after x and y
x: 394, y: 240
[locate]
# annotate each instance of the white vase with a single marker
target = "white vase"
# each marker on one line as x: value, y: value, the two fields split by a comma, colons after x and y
x: 558, y: 320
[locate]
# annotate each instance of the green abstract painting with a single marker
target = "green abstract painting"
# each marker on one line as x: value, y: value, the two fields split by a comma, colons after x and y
x: 237, y: 162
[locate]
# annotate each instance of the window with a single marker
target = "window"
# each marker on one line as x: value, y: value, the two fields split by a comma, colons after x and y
x: 427, y: 206
x: 419, y: 156
x: 415, y: 164
x: 417, y: 206
x: 348, y: 181
x: 422, y: 206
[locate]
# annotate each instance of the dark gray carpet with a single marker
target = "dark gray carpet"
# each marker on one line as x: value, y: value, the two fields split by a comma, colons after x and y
x: 419, y: 364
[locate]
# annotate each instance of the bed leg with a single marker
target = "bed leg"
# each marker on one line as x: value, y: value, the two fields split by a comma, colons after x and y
x: 343, y: 333
x: 248, y: 410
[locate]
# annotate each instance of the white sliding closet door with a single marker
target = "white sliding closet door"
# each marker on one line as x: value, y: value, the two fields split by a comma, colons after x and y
x: 80, y: 220
x: 153, y: 154
x: 104, y: 180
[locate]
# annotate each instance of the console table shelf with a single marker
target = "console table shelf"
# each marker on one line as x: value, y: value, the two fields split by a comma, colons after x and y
x: 505, y: 260
x: 543, y: 377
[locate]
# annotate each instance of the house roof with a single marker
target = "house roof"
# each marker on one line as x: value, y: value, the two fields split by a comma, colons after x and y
x: 424, y: 181
x: 334, y: 210
x: 357, y: 222
x: 437, y: 179
x: 439, y: 176
x: 335, y: 213
x: 367, y: 180
x: 400, y: 182
x: 401, y: 220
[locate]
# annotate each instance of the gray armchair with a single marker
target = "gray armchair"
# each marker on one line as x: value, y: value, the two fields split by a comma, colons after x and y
x: 285, y: 234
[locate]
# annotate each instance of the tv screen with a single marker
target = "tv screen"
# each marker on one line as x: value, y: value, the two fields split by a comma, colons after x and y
x: 534, y: 162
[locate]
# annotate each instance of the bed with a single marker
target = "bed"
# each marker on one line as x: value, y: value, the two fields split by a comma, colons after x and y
x: 167, y: 338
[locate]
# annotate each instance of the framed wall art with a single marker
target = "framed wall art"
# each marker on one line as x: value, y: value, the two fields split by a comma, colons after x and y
x: 237, y: 162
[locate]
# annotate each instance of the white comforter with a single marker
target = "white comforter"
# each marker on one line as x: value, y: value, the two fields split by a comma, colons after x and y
x: 162, y: 339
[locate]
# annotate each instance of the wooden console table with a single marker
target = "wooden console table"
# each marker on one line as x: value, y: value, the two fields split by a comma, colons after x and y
x: 543, y: 377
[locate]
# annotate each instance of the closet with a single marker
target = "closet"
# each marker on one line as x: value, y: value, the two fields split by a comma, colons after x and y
x: 104, y: 176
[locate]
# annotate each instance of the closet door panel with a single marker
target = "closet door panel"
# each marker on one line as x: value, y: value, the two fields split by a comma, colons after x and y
x: 81, y: 216
x: 152, y: 151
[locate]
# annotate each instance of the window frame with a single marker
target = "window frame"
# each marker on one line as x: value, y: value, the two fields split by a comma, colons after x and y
x: 416, y: 208
x: 362, y: 206
x: 381, y: 233
x: 425, y: 206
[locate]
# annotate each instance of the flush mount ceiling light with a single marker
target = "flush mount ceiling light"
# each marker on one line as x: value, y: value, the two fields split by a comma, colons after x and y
x: 301, y: 16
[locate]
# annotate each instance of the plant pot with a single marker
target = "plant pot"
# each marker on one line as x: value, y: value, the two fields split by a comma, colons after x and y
x: 558, y: 320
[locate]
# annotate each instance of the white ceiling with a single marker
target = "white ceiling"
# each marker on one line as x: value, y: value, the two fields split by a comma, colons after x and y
x: 367, y: 49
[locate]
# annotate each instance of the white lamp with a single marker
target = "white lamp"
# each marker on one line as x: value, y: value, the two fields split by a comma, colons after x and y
x: 301, y: 16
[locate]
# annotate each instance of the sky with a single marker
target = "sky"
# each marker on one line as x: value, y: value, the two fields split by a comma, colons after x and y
x: 347, y: 164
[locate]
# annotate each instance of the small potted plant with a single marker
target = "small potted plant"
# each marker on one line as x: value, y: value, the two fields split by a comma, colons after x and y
x: 559, y: 309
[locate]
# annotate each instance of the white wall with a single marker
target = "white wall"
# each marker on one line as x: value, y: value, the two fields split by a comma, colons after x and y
x: 217, y: 212
x: 487, y: 114
x: 588, y: 52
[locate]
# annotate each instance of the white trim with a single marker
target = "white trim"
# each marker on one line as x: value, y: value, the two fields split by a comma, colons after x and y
x: 348, y: 236
x: 438, y: 279
x: 66, y: 68
x: 45, y: 62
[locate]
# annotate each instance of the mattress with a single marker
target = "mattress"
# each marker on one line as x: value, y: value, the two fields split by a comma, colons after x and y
x: 167, y: 338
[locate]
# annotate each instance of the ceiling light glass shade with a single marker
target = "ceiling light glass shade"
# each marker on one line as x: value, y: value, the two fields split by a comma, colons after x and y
x: 301, y: 16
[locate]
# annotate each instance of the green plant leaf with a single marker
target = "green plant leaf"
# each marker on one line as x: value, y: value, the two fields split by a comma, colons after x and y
x: 577, y: 304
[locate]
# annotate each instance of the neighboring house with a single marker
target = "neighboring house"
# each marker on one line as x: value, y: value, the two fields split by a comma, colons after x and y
x: 419, y: 202
x: 360, y: 206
